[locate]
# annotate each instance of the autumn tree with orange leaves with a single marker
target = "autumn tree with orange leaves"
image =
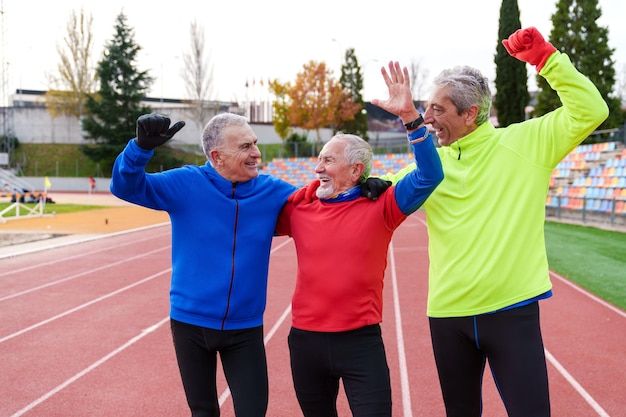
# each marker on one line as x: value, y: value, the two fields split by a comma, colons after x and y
x: 314, y: 101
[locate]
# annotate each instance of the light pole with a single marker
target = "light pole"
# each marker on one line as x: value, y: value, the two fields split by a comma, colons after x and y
x: 341, y: 53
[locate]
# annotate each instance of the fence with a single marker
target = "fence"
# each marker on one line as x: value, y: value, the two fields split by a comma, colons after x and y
x: 587, y: 209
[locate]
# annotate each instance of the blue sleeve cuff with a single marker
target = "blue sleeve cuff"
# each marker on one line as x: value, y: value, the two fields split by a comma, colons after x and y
x: 418, y: 135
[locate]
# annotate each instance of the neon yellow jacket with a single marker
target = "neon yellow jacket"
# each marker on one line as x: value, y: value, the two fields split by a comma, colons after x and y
x: 486, y: 219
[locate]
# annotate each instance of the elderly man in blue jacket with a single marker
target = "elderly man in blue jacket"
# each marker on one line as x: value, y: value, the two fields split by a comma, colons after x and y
x: 223, y: 216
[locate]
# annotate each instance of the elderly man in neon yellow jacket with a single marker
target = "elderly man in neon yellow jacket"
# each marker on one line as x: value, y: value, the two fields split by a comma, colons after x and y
x: 488, y: 263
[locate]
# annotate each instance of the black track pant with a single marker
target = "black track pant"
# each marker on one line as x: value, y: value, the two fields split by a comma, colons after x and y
x: 243, y: 359
x: 511, y: 341
x: 357, y: 357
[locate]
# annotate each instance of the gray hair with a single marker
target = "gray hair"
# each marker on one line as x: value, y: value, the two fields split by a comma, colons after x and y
x: 213, y: 133
x: 466, y: 87
x: 357, y: 150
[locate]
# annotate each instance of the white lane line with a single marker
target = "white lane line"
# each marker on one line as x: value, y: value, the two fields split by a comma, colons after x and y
x: 80, y: 255
x: 277, y: 325
x: 82, y: 306
x: 91, y: 367
x: 71, y: 277
x: 569, y: 378
x: 224, y: 396
x: 132, y: 341
x: 404, y: 374
x: 588, y: 294
x: 54, y: 245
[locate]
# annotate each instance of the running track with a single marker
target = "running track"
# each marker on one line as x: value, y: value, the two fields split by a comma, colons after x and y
x: 84, y: 332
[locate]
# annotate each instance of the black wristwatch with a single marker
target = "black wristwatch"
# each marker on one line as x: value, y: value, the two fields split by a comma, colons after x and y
x: 414, y: 124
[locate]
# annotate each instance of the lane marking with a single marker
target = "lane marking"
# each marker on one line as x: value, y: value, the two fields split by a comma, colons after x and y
x: 54, y: 245
x: 132, y: 341
x: 572, y: 381
x: 588, y: 294
x: 91, y: 367
x: 80, y: 255
x: 82, y: 306
x: 588, y: 398
x: 71, y: 277
x: 568, y: 377
x: 404, y: 374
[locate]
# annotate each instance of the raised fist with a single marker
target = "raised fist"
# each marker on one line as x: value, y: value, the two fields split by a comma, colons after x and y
x: 528, y: 45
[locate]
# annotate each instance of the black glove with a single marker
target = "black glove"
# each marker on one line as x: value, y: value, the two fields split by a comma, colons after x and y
x: 373, y: 187
x: 154, y: 130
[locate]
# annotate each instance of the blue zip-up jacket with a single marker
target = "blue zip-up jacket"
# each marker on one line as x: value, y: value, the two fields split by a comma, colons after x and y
x: 221, y: 236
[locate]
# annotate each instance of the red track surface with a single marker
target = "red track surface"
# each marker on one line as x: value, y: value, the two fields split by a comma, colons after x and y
x: 84, y: 332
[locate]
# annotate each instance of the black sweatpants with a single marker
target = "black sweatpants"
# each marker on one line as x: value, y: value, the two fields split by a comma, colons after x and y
x: 319, y: 360
x: 511, y: 341
x: 242, y: 353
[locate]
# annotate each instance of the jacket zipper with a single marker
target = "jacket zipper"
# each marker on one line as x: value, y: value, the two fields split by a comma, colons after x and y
x: 232, y: 259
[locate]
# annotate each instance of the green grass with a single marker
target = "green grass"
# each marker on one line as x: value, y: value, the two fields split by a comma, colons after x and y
x: 54, y: 160
x: 593, y: 258
x: 50, y: 208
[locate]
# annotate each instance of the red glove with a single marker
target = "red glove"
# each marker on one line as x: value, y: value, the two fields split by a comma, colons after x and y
x: 528, y: 45
x: 305, y: 194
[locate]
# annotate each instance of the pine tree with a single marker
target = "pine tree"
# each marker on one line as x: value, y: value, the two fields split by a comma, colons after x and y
x: 352, y: 83
x: 576, y: 32
x: 511, y: 77
x: 112, y: 112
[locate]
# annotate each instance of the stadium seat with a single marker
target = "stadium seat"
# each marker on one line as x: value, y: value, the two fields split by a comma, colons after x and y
x: 605, y: 206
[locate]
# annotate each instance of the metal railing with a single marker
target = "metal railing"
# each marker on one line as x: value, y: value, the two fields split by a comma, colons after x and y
x: 604, y: 210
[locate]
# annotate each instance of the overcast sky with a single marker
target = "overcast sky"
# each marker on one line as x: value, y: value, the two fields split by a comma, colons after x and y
x: 266, y: 39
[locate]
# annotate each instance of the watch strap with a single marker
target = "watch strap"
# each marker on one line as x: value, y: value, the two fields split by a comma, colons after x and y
x: 415, y: 123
